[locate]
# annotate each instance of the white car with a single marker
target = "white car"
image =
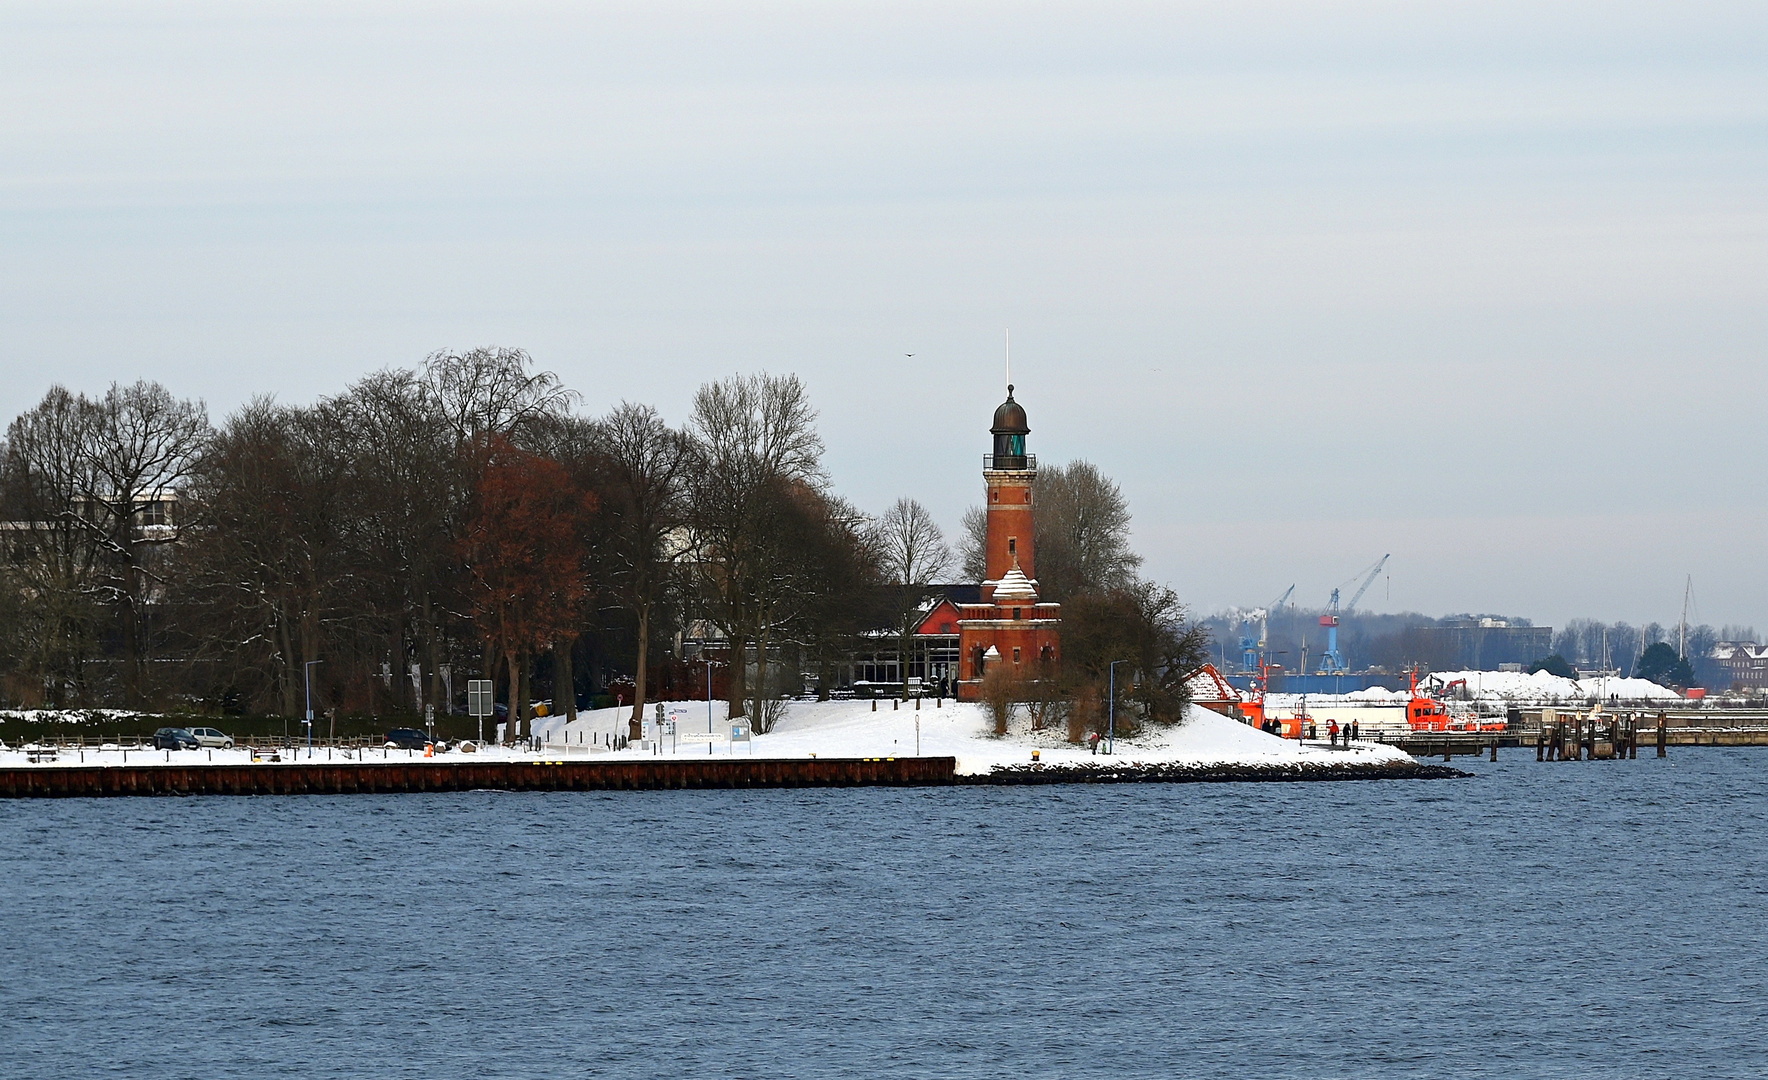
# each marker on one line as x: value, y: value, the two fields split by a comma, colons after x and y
x: 210, y: 739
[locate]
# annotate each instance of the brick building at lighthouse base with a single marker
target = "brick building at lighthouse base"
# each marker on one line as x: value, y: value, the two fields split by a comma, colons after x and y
x: 1010, y: 626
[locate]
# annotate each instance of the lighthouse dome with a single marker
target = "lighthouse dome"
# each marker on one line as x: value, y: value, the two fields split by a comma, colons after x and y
x: 1009, y: 419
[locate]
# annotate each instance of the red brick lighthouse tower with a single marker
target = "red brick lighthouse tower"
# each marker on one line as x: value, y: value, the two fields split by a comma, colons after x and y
x: 1010, y: 627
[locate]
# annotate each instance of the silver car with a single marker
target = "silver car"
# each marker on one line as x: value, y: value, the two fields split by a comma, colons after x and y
x: 211, y: 739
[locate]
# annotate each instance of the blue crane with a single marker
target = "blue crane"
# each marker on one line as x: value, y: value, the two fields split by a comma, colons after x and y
x: 1332, y: 662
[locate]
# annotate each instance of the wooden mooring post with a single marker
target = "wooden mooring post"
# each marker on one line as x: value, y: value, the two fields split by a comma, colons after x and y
x: 1494, y: 749
x: 1663, y: 737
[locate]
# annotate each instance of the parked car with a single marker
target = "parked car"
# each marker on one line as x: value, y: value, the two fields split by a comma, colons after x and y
x: 410, y: 738
x: 211, y: 739
x: 175, y: 738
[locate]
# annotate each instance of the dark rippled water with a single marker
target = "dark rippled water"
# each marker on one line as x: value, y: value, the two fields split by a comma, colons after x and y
x: 1576, y: 920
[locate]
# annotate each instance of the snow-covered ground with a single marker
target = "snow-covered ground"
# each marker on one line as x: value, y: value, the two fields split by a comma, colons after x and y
x: 844, y: 729
x: 963, y: 731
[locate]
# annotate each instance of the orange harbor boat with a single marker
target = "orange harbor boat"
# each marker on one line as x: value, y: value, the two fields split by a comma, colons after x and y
x: 1425, y: 713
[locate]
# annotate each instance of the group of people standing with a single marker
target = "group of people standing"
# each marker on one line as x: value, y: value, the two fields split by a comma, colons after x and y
x: 1333, y: 732
x: 1270, y: 725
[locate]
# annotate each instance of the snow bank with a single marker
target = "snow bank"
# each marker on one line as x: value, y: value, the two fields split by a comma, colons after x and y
x: 69, y: 716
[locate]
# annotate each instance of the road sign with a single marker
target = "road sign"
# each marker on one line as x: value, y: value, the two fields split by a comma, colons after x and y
x: 703, y: 736
x: 739, y: 733
x: 479, y: 695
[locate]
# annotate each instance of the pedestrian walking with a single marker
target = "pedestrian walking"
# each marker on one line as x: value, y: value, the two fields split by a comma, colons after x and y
x: 1332, y: 732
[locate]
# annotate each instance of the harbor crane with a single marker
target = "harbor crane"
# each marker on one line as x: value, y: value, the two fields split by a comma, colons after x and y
x: 1332, y: 662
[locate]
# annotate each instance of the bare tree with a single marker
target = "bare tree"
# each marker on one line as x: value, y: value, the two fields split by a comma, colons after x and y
x: 836, y: 574
x: 412, y: 472
x: 491, y: 391
x: 973, y: 544
x: 753, y: 437
x: 911, y: 544
x: 1083, y: 532
x: 268, y: 558
x: 1001, y: 691
x: 51, y: 558
x: 645, y: 465
x: 141, y: 444
x: 913, y: 552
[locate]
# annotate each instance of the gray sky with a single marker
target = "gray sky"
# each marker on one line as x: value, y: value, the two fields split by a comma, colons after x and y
x: 1481, y: 285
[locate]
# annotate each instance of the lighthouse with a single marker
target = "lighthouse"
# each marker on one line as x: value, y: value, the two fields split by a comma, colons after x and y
x: 1011, y: 626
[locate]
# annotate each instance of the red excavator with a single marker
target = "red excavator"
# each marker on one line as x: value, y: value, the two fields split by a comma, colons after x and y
x: 1253, y: 711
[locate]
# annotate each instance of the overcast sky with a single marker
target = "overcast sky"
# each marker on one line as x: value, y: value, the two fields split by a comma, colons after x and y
x: 1481, y: 285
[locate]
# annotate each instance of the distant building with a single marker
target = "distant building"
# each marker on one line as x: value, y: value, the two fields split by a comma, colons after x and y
x: 1745, y: 663
x: 1484, y: 644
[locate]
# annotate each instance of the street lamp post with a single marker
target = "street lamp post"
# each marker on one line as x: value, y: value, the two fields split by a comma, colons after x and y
x: 708, y: 706
x: 1111, y: 710
x: 307, y: 677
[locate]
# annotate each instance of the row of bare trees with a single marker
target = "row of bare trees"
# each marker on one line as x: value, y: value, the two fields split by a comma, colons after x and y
x: 426, y: 525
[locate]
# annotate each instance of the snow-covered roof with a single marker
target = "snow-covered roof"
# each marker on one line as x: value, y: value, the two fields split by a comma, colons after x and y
x: 1015, y: 588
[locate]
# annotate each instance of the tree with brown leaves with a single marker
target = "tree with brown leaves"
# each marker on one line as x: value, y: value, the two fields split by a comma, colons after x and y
x: 524, y: 560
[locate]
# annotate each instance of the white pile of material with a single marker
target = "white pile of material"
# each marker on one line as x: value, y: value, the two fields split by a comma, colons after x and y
x: 1498, y: 688
x: 1520, y: 686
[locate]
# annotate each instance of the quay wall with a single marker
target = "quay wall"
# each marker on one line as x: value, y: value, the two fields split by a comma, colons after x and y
x: 311, y: 778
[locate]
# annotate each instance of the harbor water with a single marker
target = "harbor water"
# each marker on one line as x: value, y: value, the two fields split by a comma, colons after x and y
x: 1571, y: 919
